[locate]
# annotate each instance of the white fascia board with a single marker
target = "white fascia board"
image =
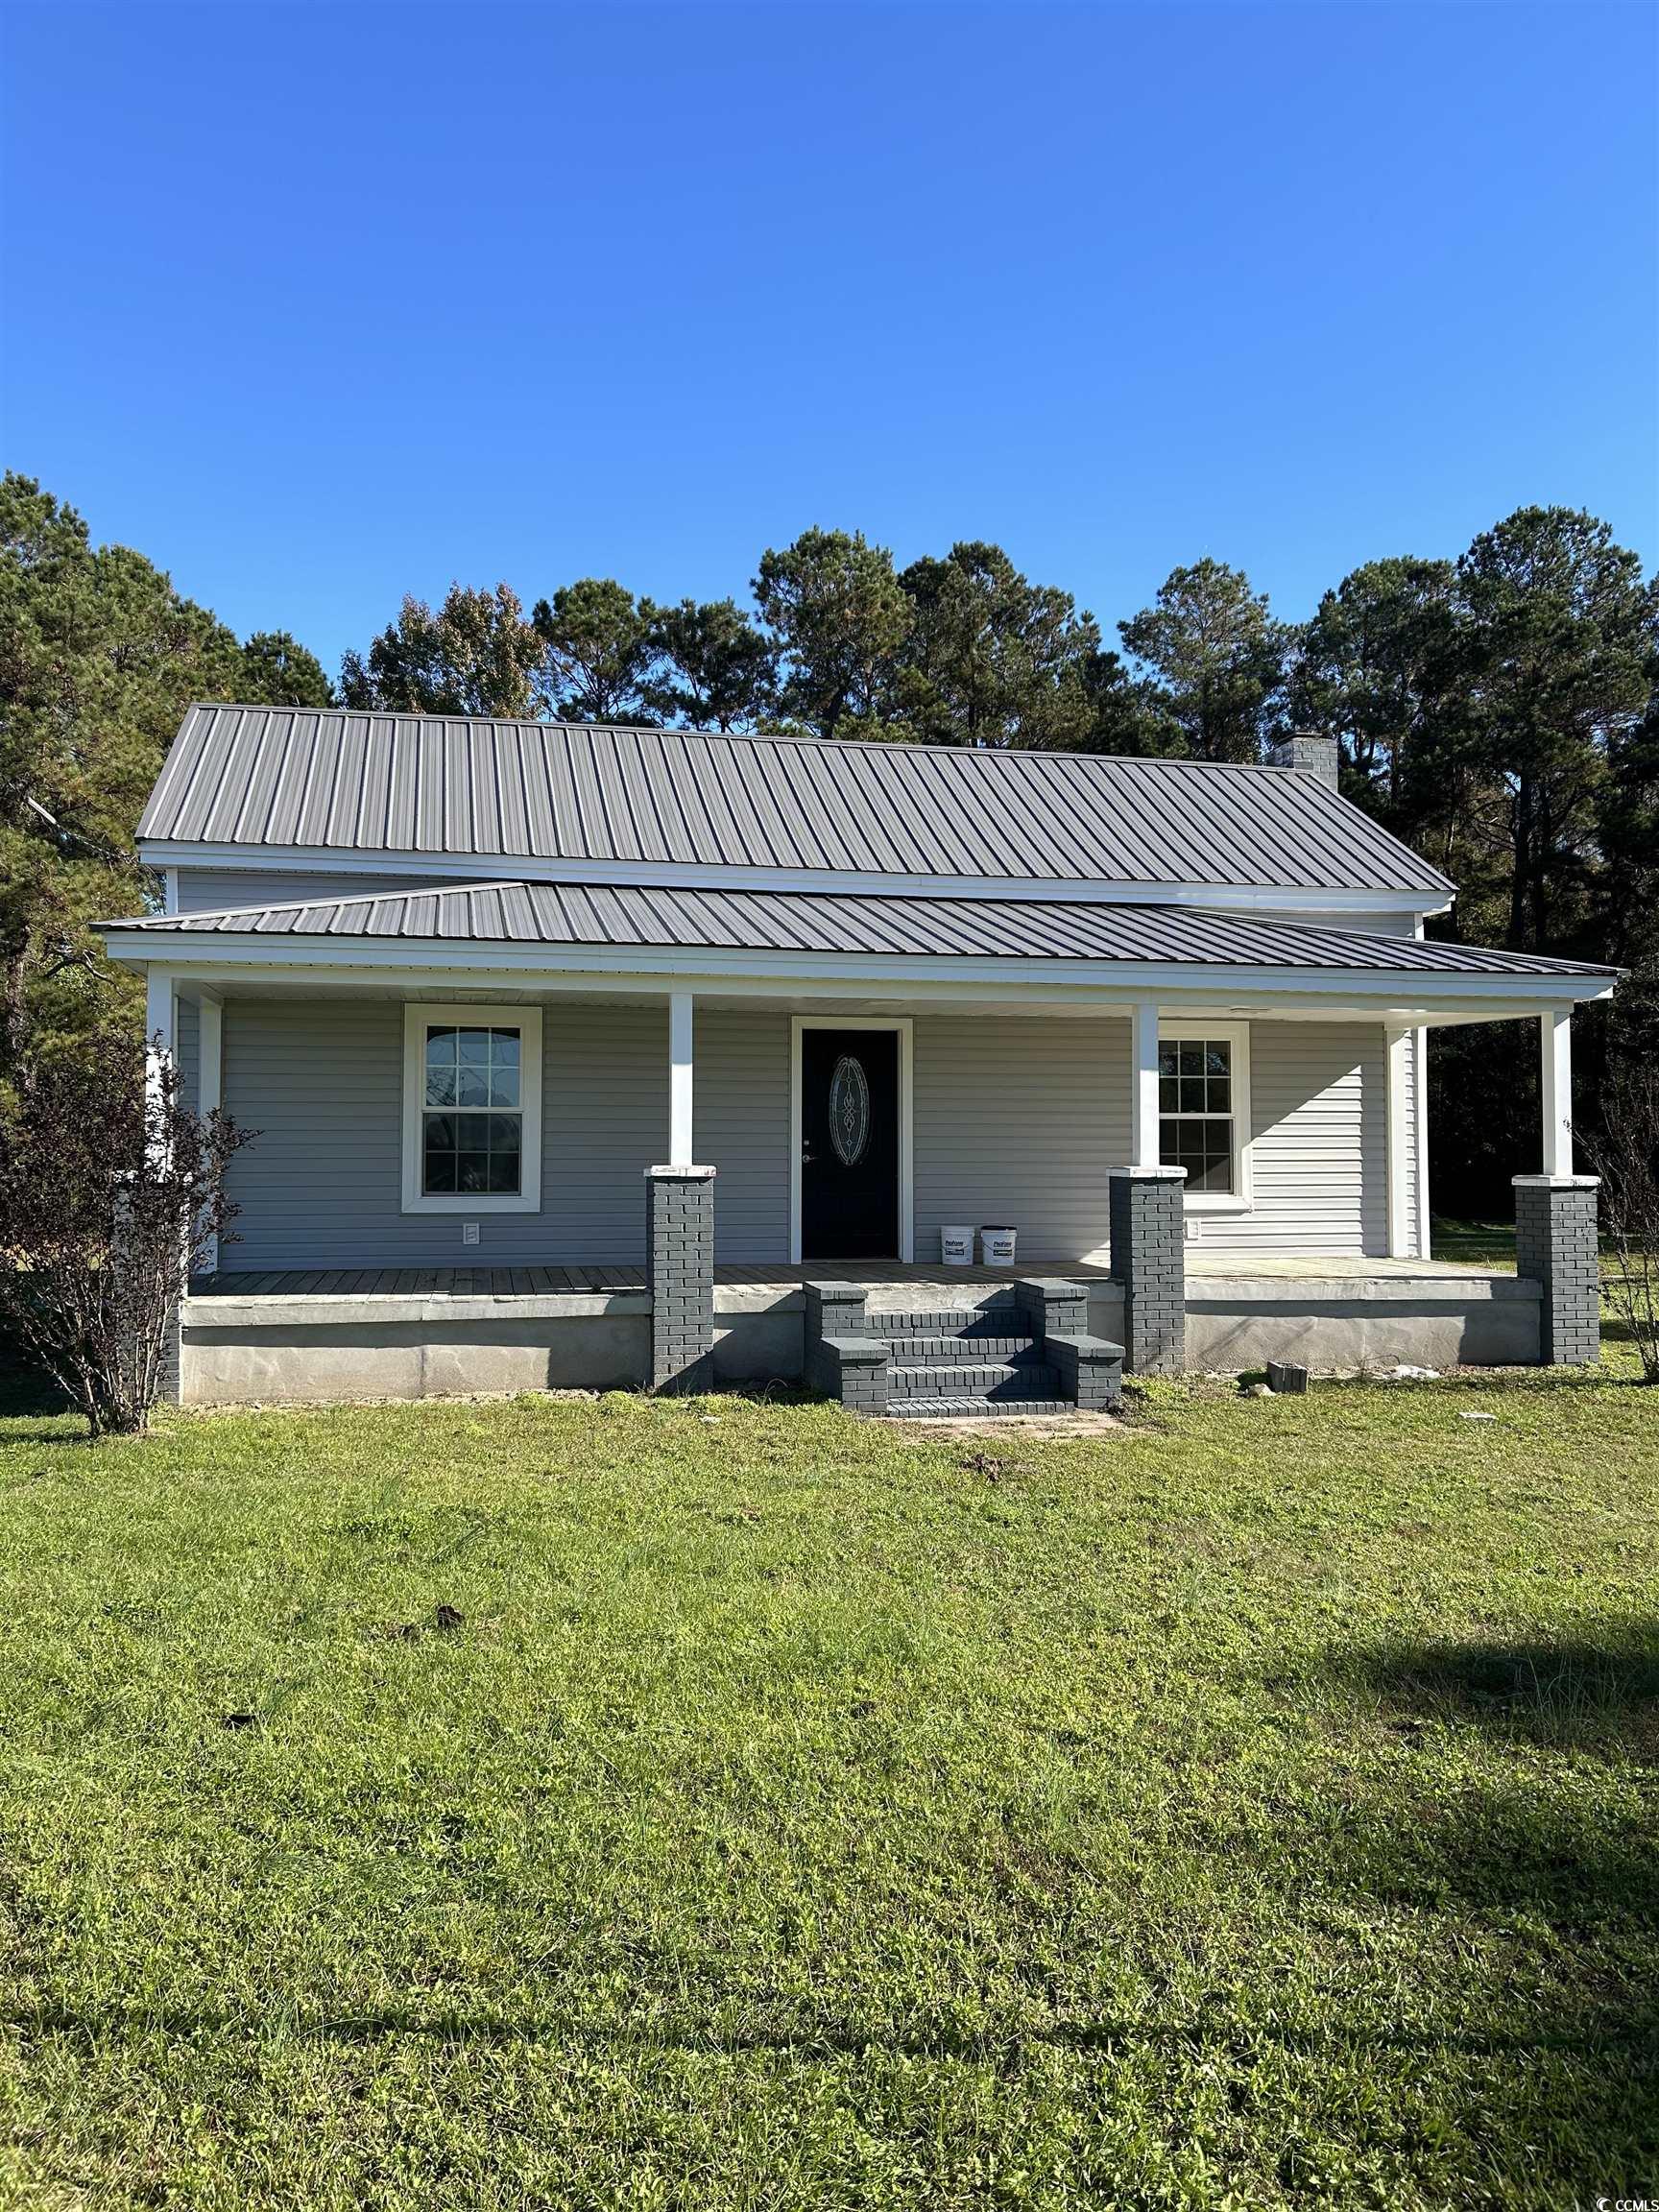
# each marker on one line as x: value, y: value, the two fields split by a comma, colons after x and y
x: 430, y: 959
x: 447, y: 868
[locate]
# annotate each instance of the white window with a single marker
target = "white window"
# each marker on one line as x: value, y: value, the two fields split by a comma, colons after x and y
x: 1204, y: 1111
x: 471, y: 1109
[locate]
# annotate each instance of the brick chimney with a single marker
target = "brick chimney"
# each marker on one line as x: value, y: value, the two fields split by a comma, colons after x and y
x: 1308, y: 753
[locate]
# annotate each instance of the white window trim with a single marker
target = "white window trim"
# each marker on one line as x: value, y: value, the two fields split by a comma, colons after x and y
x: 904, y: 1026
x: 1240, y: 1199
x: 422, y: 1014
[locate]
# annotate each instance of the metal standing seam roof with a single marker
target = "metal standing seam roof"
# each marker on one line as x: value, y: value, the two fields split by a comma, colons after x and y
x: 432, y: 784
x: 844, y: 923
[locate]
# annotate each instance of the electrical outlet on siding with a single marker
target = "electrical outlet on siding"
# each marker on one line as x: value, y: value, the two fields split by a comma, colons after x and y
x: 468, y: 1232
x: 1193, y: 1228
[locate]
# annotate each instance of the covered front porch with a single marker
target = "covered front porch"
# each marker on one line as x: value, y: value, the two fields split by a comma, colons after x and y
x: 493, y: 1168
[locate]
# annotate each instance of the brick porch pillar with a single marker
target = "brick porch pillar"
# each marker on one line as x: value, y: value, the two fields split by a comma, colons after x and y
x: 1149, y: 1260
x: 679, y: 1275
x: 1556, y: 1245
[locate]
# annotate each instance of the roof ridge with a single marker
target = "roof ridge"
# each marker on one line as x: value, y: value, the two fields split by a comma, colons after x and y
x: 800, y: 737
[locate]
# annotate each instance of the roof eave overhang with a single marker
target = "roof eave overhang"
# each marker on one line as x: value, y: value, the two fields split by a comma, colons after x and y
x: 452, y: 868
x: 240, y: 955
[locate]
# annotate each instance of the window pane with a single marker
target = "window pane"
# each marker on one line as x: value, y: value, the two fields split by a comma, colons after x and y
x: 472, y: 1172
x: 504, y: 1134
x: 1202, y: 1146
x: 1192, y: 1056
x: 1217, y: 1056
x: 471, y: 1086
x: 440, y: 1171
x: 439, y: 1133
x: 1220, y: 1094
x: 503, y: 1087
x: 504, y: 1172
x: 504, y: 1048
x: 440, y: 1047
x: 441, y: 1086
x: 473, y: 1045
x: 1168, y: 1094
x: 1167, y: 1060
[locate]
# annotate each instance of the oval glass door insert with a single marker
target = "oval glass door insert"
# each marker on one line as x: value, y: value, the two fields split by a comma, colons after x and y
x: 849, y: 1110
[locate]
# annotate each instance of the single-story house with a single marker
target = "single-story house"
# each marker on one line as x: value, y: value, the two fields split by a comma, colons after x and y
x: 594, y: 1055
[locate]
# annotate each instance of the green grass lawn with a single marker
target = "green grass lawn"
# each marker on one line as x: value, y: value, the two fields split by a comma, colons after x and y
x: 1260, y: 1806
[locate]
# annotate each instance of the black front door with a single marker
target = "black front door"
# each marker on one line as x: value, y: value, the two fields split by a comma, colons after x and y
x: 849, y: 1144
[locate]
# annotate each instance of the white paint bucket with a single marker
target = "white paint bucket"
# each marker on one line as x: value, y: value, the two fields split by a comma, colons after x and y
x: 997, y: 1247
x: 956, y: 1247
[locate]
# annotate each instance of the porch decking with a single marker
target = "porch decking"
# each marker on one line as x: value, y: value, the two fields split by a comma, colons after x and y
x: 470, y: 1283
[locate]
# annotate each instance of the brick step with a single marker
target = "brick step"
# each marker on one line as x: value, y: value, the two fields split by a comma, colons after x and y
x: 973, y: 1408
x: 987, y: 1379
x: 1003, y: 1319
x: 921, y: 1350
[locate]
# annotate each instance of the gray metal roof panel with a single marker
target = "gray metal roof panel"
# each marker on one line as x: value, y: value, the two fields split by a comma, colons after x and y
x: 381, y: 783
x: 678, y: 919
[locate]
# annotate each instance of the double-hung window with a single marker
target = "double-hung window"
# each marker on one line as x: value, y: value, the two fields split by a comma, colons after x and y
x: 1204, y: 1110
x: 471, y: 1109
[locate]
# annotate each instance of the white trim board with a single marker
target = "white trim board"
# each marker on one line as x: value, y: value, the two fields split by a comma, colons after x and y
x: 713, y: 876
x: 905, y: 1029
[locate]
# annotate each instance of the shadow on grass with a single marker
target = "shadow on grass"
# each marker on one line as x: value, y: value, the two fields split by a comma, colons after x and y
x: 1515, y: 1838
x: 1601, y: 1688
x: 802, y: 2031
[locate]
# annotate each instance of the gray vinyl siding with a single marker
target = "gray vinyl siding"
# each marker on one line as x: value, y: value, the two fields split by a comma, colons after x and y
x: 187, y: 1051
x: 321, y: 1187
x: 1019, y: 1120
x: 210, y: 890
x: 1319, y: 1108
x: 742, y: 1128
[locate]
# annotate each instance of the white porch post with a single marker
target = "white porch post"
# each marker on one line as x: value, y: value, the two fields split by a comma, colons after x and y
x: 211, y: 1084
x: 1555, y: 1091
x: 161, y: 1053
x: 160, y: 999
x: 1420, y: 1080
x: 1400, y: 1150
x: 681, y: 1152
x: 1144, y: 1084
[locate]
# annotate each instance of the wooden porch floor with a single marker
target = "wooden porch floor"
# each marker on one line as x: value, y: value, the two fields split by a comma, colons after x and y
x: 550, y: 1282
x: 553, y: 1281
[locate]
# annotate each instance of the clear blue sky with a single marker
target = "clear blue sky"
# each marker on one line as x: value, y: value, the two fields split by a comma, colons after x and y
x: 317, y: 305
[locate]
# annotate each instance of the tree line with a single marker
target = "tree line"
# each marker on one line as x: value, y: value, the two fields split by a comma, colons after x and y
x: 1498, y: 710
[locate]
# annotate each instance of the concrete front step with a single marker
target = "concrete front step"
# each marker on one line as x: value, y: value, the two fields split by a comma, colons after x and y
x: 984, y: 1379
x: 973, y: 1408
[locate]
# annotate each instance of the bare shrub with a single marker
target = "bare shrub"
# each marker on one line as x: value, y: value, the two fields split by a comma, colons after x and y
x: 110, y: 1194
x: 1625, y: 1155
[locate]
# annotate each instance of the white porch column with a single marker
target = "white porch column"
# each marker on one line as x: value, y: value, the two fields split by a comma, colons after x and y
x: 1555, y: 1091
x: 1401, y: 1239
x: 681, y: 1152
x: 211, y: 1084
x: 161, y: 1024
x: 1420, y: 1080
x: 1144, y: 1084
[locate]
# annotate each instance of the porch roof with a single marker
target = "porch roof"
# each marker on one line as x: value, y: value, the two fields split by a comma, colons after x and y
x: 860, y: 927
